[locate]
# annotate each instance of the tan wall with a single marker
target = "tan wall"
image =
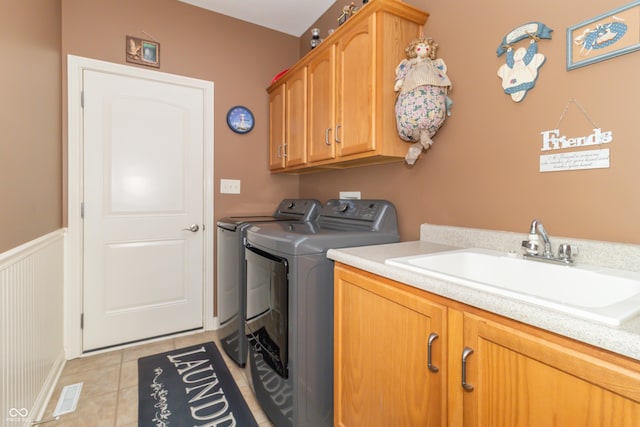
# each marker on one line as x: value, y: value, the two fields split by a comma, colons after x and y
x: 483, y: 169
x: 30, y: 121
x: 240, y: 58
x: 481, y: 172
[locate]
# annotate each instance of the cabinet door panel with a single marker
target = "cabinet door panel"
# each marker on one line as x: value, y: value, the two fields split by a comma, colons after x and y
x: 296, y: 119
x: 523, y: 381
x: 276, y: 128
x: 381, y: 374
x: 322, y: 91
x: 356, y: 82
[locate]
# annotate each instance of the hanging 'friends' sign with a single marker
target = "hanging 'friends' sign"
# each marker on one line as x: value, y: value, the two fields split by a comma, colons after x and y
x: 564, y: 153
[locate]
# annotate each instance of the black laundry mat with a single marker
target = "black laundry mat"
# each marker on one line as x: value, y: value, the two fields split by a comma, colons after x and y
x: 191, y: 386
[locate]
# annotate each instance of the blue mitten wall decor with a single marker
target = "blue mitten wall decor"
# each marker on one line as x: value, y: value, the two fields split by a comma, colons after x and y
x: 520, y: 72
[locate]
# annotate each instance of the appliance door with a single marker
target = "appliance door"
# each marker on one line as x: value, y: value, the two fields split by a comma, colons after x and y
x: 267, y: 307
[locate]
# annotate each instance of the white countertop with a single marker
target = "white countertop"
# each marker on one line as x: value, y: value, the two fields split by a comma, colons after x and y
x: 624, y: 339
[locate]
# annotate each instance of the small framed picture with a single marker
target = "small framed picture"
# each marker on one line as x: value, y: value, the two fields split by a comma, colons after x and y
x: 143, y: 52
x: 606, y: 36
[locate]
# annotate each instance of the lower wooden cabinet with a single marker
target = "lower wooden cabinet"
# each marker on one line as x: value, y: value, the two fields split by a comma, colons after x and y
x: 382, y: 376
x: 521, y: 379
x: 515, y: 375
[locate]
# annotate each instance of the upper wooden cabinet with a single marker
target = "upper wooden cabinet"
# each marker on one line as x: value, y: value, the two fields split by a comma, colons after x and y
x: 356, y: 125
x: 322, y: 104
x: 349, y: 112
x: 276, y: 127
x: 288, y: 122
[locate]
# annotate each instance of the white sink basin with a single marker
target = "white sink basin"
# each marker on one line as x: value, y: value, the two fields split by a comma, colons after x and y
x: 604, y: 295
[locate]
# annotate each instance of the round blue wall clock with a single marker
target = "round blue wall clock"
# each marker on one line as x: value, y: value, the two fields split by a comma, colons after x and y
x: 240, y: 119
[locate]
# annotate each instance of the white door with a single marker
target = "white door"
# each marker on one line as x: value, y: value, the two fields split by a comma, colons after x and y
x: 143, y: 208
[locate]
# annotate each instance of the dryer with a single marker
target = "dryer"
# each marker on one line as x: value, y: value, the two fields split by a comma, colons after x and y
x: 289, y: 318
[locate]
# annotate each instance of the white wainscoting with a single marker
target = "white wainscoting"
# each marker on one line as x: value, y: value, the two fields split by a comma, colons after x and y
x: 31, y: 327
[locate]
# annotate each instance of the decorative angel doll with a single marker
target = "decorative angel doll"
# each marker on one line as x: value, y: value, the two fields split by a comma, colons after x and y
x: 422, y: 103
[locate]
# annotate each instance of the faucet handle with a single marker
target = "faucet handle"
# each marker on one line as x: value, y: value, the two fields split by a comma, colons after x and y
x: 567, y: 251
x: 530, y: 247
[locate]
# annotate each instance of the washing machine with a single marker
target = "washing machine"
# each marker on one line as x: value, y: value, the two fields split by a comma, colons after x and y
x: 231, y: 295
x: 289, y: 317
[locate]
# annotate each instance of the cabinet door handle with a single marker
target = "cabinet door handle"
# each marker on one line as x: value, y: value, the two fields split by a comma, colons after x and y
x: 432, y: 337
x: 326, y: 136
x: 284, y: 150
x: 280, y: 151
x: 465, y: 353
x: 337, y: 131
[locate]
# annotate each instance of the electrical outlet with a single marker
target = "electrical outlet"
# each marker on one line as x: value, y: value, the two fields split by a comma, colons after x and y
x: 230, y: 186
x: 353, y: 195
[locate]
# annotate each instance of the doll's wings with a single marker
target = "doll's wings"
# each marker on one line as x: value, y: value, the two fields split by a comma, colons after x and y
x: 440, y: 65
x: 402, y: 69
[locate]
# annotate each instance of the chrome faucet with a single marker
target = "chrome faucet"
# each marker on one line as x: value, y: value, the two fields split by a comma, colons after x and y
x: 565, y: 251
x: 537, y: 227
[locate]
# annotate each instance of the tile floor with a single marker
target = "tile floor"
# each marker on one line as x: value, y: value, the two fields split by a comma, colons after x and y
x: 109, y: 396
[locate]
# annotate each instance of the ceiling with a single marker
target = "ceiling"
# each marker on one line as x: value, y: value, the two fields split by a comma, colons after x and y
x: 292, y: 17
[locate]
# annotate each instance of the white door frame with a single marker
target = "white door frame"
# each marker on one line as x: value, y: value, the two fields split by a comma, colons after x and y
x: 73, y: 283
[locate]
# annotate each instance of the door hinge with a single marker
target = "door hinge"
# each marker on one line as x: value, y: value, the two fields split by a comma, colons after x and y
x: 82, y: 210
x: 81, y: 320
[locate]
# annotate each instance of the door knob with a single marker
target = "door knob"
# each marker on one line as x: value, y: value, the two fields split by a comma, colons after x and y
x: 193, y: 228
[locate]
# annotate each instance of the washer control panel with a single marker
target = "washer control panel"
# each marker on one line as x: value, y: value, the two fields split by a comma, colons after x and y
x: 340, y: 211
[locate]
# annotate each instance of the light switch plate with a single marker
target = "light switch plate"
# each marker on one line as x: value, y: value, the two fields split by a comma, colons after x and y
x: 230, y: 186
